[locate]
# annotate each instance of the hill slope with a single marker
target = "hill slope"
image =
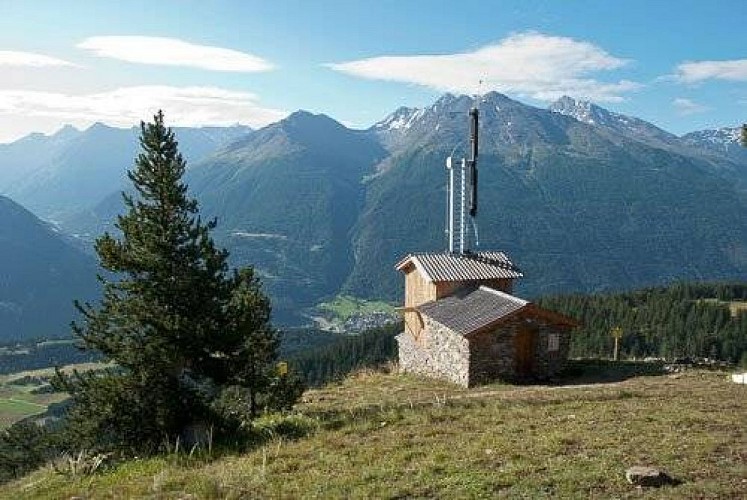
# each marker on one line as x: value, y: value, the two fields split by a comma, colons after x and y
x: 40, y: 275
x: 286, y: 199
x: 395, y: 436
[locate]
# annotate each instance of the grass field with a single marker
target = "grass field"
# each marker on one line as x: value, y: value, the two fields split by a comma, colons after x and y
x: 394, y: 436
x: 735, y: 306
x: 17, y: 401
x: 343, y: 307
x: 12, y: 410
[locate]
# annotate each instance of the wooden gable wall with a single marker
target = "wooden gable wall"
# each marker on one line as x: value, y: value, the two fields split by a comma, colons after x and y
x: 418, y: 291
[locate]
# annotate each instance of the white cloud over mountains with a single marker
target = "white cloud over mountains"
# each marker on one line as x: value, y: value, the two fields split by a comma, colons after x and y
x: 697, y: 71
x: 686, y: 107
x: 30, y: 59
x: 173, y: 52
x: 184, y: 106
x: 526, y: 64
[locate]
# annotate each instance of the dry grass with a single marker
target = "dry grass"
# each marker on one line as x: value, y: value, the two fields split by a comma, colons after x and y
x: 387, y: 435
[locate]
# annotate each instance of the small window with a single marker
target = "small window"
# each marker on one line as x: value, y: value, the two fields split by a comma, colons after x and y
x: 553, y: 342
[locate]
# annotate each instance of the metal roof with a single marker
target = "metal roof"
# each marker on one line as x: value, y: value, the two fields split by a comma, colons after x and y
x: 468, y: 311
x: 462, y: 267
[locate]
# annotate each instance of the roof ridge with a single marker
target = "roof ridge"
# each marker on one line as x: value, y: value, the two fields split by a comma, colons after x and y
x: 448, y: 266
x: 505, y: 295
x: 486, y: 256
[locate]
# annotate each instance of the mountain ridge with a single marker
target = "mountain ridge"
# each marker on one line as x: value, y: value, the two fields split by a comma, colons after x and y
x: 321, y: 209
x: 71, y: 170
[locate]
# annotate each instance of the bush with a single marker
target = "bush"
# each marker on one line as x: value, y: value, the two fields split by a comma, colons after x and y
x: 233, y: 405
x: 24, y: 447
x: 112, y: 411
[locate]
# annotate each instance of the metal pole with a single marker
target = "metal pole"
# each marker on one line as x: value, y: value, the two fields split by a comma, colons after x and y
x: 451, y: 206
x: 463, y: 209
x: 617, y: 340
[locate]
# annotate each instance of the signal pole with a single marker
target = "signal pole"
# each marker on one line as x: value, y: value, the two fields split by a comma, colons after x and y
x: 617, y: 333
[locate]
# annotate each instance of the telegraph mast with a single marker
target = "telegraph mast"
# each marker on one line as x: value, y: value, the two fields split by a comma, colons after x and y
x: 461, y: 192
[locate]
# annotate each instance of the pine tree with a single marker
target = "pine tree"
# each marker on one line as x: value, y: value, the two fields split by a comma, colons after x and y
x: 176, y: 322
x: 744, y: 135
x: 165, y: 314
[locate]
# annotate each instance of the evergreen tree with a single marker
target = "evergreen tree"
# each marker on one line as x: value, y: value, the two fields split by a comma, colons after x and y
x: 744, y: 135
x: 176, y: 322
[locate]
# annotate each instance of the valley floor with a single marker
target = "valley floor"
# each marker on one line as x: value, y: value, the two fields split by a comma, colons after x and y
x: 387, y: 435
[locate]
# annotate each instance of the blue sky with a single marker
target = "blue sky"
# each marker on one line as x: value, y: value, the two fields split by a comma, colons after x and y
x: 679, y: 64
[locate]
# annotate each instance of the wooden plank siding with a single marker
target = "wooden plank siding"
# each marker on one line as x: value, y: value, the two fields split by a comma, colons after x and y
x: 418, y: 291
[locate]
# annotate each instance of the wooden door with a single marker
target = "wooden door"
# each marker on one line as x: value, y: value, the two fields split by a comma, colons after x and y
x: 524, y: 351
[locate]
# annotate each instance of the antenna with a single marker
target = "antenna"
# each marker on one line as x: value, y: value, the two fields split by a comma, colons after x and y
x: 461, y: 191
x: 474, y: 119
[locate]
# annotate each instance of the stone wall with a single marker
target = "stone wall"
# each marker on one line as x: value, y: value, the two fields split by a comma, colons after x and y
x: 492, y: 352
x: 550, y: 363
x: 437, y: 352
x: 482, y: 357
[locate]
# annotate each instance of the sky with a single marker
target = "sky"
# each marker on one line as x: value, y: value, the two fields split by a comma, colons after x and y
x: 681, y: 65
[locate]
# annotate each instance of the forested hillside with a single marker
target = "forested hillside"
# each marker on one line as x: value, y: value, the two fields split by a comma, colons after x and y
x: 287, y: 198
x: 683, y: 320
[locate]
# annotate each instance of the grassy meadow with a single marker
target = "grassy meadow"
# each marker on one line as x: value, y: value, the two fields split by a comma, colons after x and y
x: 385, y: 435
x: 18, y: 399
x: 342, y: 307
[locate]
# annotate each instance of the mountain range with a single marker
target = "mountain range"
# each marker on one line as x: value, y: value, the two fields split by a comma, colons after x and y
x: 42, y: 269
x: 583, y: 199
x: 61, y: 175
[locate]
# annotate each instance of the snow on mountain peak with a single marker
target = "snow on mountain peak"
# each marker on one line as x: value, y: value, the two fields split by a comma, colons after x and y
x: 590, y: 113
x: 723, y: 136
x: 405, y: 121
x: 402, y: 119
x: 583, y: 111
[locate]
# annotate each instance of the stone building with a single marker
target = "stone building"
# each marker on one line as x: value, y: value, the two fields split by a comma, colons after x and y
x: 463, y: 325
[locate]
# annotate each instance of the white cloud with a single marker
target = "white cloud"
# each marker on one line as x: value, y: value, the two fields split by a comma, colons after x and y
x: 183, y: 106
x: 698, y: 71
x: 688, y: 107
x: 528, y: 64
x: 29, y: 59
x: 173, y: 52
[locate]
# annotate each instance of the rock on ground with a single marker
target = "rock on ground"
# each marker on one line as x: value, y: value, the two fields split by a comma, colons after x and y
x: 647, y: 476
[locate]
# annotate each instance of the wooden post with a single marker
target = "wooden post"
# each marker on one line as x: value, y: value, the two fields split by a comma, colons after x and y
x: 617, y: 334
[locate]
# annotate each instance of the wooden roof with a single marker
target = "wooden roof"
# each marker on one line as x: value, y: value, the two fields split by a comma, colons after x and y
x: 468, y: 311
x: 461, y: 267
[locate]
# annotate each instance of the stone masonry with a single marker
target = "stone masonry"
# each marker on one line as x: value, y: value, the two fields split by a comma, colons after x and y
x: 484, y: 356
x: 437, y: 352
x: 492, y: 352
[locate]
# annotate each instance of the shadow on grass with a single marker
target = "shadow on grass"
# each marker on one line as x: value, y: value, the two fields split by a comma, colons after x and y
x: 602, y: 371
